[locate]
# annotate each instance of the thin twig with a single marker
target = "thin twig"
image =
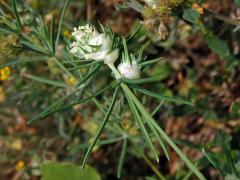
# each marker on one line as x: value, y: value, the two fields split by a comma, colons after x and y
x: 223, y: 18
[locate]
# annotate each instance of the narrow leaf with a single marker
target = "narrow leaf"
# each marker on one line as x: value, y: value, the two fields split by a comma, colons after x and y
x: 87, y: 155
x: 121, y: 159
x: 16, y: 15
x: 46, y: 81
x: 162, y: 97
x: 167, y: 138
x: 60, y: 23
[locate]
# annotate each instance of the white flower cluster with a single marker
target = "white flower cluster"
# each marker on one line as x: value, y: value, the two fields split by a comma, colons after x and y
x: 92, y: 45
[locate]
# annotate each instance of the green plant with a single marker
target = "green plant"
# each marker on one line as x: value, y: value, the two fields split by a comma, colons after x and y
x: 101, y: 55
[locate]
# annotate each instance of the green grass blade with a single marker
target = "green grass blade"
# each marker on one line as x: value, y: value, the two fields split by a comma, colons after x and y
x: 59, y: 63
x: 110, y: 109
x: 141, y: 153
x: 162, y: 97
x: 16, y: 15
x: 175, y: 148
x: 24, y: 60
x: 140, y: 123
x: 150, y: 62
x: 52, y: 34
x: 132, y: 99
x: 95, y: 69
x: 113, y: 85
x: 43, y: 113
x: 230, y: 160
x: 60, y: 23
x: 99, y: 143
x: 29, y: 45
x: 155, y: 78
x: 46, y: 81
x: 167, y: 138
x: 159, y: 139
x: 122, y: 156
x: 83, y: 66
x: 157, y: 108
x: 7, y: 30
x: 213, y: 162
x: 134, y: 33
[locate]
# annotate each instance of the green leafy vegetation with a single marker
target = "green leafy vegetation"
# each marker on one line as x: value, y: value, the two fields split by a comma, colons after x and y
x: 138, y: 89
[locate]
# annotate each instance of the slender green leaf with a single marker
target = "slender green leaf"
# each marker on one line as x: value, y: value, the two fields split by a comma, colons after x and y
x: 52, y: 106
x: 212, y: 161
x: 50, y: 112
x: 162, y: 97
x: 166, y: 137
x: 24, y: 60
x: 46, y: 81
x: 89, y: 74
x: 52, y: 34
x: 14, y: 8
x: 83, y: 66
x: 60, y: 23
x: 150, y: 62
x: 87, y: 155
x: 155, y: 78
x: 140, y: 123
x: 134, y: 33
x: 99, y: 143
x: 7, y: 30
x: 132, y: 99
x: 122, y: 156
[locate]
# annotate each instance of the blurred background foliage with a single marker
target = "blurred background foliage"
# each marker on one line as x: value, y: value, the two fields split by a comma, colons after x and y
x: 200, y: 43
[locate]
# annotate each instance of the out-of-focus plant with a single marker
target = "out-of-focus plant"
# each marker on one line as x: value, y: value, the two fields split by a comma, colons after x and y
x: 93, y: 53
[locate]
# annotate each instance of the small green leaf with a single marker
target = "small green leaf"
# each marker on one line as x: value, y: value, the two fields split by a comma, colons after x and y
x: 235, y: 108
x: 67, y: 171
x: 191, y: 15
x: 217, y: 45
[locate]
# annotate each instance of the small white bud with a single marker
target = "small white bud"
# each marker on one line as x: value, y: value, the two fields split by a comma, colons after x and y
x: 129, y: 71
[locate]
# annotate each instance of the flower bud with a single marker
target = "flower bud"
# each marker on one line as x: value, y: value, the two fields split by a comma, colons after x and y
x: 129, y: 71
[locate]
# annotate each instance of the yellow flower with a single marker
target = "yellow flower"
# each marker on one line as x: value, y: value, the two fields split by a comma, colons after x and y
x: 67, y: 34
x: 20, y: 165
x: 5, y: 73
x: 198, y: 8
x: 71, y: 81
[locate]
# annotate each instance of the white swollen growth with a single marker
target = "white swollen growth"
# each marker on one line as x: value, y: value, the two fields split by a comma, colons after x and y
x: 92, y: 45
x: 129, y: 70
